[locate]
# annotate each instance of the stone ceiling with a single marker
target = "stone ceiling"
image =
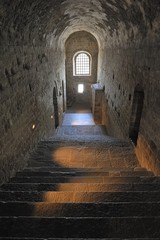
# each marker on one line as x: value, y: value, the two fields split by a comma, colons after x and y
x: 39, y: 19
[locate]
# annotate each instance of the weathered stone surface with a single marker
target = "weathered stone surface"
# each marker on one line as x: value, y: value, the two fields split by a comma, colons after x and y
x: 80, y: 197
x: 24, y: 104
x: 79, y: 209
x: 76, y: 238
x: 123, y: 38
x: 86, y: 179
x: 106, y: 227
x: 81, y: 187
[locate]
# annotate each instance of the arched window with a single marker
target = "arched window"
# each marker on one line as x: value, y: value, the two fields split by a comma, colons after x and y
x: 82, y: 64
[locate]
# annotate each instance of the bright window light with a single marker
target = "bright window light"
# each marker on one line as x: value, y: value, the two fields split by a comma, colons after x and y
x: 82, y: 64
x: 80, y: 88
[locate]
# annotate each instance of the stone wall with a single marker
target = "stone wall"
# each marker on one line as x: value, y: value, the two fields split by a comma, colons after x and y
x: 80, y: 41
x: 27, y: 79
x: 126, y: 68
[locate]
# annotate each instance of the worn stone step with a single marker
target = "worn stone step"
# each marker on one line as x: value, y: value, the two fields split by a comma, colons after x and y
x: 12, y: 238
x: 85, y: 179
x: 86, y: 140
x: 82, y: 130
x: 91, y: 154
x: 82, y: 179
x: 87, y: 156
x: 17, y: 238
x: 79, y: 169
x: 74, y: 172
x: 88, y: 169
x: 106, y: 143
x: 79, y: 164
x: 80, y: 187
x: 115, y: 149
x: 112, y: 227
x: 140, y: 171
x: 64, y: 197
x: 44, y: 209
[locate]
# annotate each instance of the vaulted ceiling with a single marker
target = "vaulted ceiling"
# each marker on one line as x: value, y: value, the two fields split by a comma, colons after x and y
x: 39, y: 20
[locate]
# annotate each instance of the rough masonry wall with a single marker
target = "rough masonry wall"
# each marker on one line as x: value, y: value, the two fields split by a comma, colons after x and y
x: 80, y: 41
x: 27, y: 79
x: 125, y: 67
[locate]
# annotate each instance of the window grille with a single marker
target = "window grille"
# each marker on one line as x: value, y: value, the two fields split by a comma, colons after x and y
x: 82, y: 63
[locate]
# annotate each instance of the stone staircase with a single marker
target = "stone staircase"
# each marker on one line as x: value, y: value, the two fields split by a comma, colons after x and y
x: 79, y: 186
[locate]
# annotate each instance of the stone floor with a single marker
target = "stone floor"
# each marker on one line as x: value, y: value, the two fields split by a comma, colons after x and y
x: 78, y: 115
x: 79, y: 108
x: 78, y: 119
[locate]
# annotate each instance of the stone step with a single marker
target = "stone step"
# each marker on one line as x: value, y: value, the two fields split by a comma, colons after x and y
x: 74, y: 172
x: 62, y: 197
x: 111, y: 142
x: 83, y: 164
x: 79, y: 197
x: 87, y: 139
x: 87, y: 153
x: 80, y: 187
x: 79, y: 164
x: 12, y: 238
x: 86, y: 169
x: 111, y: 227
x: 75, y: 238
x: 87, y: 161
x: 113, y: 147
x: 98, y: 153
x: 81, y: 130
x: 85, y: 179
x: 44, y: 209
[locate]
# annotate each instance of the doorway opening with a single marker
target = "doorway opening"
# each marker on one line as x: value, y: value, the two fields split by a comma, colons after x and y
x: 63, y: 95
x: 137, y: 108
x: 55, y: 104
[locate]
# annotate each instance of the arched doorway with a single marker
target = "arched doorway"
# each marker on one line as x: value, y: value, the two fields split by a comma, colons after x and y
x: 55, y: 104
x: 136, y: 114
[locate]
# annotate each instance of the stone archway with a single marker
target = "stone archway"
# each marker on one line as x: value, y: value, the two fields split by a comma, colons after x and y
x: 136, y: 114
x: 55, y: 104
